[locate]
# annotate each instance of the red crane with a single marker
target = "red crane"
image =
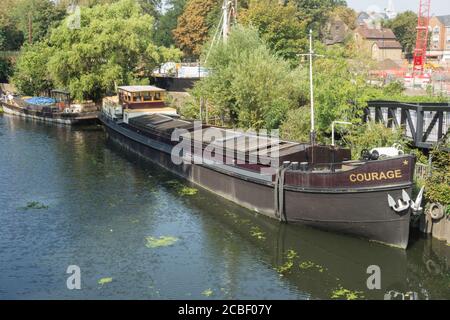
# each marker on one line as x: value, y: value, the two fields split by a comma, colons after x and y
x: 423, y: 22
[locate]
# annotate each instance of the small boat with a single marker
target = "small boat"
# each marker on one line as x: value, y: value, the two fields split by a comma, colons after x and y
x: 310, y: 184
x: 57, y: 108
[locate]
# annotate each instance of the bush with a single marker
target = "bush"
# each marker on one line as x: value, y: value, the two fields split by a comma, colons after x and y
x: 248, y: 84
x: 297, y: 125
x: 371, y: 135
x: 438, y: 185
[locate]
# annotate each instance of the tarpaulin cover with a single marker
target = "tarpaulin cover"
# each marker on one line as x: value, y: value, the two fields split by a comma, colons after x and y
x: 41, y: 101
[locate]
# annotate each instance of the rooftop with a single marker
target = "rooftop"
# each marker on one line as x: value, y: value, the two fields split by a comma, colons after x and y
x: 445, y: 20
x: 140, y: 88
x: 388, y: 44
x: 380, y: 34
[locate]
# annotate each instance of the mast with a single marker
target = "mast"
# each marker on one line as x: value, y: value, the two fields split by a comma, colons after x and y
x: 225, y: 21
x: 229, y: 16
x: 311, y: 87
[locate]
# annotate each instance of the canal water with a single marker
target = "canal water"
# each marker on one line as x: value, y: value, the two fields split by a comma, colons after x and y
x: 68, y: 197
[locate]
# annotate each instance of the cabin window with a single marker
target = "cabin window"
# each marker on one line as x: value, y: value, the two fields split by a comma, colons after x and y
x: 157, y: 96
x: 147, y: 96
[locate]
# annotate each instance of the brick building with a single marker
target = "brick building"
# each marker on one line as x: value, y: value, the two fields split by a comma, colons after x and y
x: 440, y: 38
x: 380, y: 43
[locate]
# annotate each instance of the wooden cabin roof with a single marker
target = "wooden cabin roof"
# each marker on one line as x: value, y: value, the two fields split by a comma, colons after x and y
x: 140, y: 89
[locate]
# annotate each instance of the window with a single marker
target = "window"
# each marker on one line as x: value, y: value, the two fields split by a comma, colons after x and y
x: 147, y: 96
x: 436, y: 30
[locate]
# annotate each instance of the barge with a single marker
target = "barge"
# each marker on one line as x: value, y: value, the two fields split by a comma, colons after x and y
x: 309, y: 184
x: 57, y: 109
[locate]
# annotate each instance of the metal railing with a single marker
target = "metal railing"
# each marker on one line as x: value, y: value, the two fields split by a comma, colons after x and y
x: 425, y: 123
x: 422, y: 171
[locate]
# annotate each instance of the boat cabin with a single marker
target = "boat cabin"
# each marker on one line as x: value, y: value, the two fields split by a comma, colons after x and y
x: 141, y: 97
x: 62, y: 99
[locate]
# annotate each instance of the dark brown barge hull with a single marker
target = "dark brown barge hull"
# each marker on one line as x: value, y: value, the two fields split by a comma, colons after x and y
x: 330, y: 211
x: 66, y: 119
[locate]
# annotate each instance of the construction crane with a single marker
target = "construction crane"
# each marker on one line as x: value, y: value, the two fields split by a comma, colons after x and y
x: 420, y: 52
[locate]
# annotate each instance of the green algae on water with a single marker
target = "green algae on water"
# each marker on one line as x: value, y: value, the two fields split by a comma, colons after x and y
x: 342, y: 293
x: 309, y: 264
x: 208, y: 293
x: 291, y: 255
x: 103, y: 281
x: 257, y: 233
x: 162, y: 241
x: 186, y: 191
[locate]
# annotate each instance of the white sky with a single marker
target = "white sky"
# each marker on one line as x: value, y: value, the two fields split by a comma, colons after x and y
x: 438, y: 7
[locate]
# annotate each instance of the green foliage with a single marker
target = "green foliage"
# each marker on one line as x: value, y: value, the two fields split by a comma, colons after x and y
x: 297, y: 125
x: 341, y: 89
x: 315, y: 12
x: 393, y: 88
x: 43, y: 15
x: 168, y: 22
x: 193, y: 26
x: 10, y: 37
x: 278, y: 25
x: 5, y: 69
x: 437, y: 186
x: 248, y: 84
x: 404, y: 28
x: 371, y: 135
x: 31, y: 75
x: 113, y: 47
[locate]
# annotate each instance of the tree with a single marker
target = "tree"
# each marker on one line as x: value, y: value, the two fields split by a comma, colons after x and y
x: 31, y: 76
x: 297, y: 125
x: 194, y: 25
x: 167, y: 22
x: 437, y: 186
x: 5, y: 69
x: 42, y: 14
x: 315, y: 12
x: 278, y: 25
x: 341, y: 88
x: 113, y: 47
x: 404, y: 28
x: 11, y: 38
x: 248, y: 84
x: 346, y: 14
